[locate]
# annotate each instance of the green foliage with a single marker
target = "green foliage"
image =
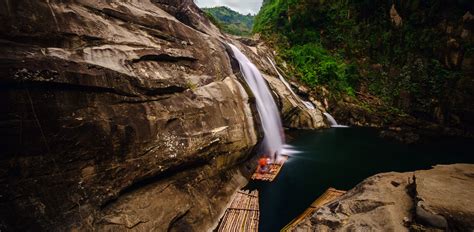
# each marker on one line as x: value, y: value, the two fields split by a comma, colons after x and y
x: 314, y: 65
x: 271, y: 15
x: 338, y: 43
x: 230, y: 21
x: 302, y: 44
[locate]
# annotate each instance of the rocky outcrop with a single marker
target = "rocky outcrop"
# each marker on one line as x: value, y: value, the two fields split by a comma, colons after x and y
x: 437, y: 199
x: 395, y: 17
x: 117, y: 115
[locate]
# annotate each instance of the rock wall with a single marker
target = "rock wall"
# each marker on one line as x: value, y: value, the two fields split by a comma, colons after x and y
x: 439, y: 199
x: 117, y: 115
x: 121, y: 115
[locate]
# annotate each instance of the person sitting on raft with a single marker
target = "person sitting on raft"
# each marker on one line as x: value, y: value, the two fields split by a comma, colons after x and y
x: 263, y: 164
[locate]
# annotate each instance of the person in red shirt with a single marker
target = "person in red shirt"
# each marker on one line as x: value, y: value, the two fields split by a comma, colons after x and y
x: 263, y: 164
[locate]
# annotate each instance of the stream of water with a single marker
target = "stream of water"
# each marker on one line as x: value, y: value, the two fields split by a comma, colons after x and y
x: 333, y: 121
x: 308, y: 104
x: 274, y: 136
x: 341, y: 158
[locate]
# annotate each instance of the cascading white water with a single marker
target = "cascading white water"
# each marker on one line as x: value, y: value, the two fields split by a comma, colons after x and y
x: 308, y: 104
x: 332, y: 121
x: 274, y: 137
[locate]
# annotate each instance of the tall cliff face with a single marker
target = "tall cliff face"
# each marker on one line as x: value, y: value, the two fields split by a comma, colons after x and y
x: 117, y: 115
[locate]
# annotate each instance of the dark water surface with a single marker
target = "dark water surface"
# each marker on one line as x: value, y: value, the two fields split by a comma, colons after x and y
x: 341, y: 158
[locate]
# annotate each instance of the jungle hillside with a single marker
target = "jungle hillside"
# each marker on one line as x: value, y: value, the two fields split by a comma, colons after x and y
x: 400, y: 57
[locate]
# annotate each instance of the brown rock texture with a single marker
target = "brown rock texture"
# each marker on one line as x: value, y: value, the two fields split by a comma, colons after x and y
x: 447, y: 195
x: 428, y: 200
x: 395, y: 17
x: 117, y: 115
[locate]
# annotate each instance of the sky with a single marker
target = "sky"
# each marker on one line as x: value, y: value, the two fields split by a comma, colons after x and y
x: 242, y: 6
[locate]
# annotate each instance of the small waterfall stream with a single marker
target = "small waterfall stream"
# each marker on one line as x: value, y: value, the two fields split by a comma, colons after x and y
x: 274, y: 137
x: 332, y: 121
x: 308, y: 104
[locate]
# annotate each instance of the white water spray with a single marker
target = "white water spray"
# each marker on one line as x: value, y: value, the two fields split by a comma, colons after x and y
x: 332, y: 121
x: 267, y: 109
x: 308, y: 104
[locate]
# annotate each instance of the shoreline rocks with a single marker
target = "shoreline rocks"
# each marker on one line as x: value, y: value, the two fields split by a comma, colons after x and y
x: 424, y: 200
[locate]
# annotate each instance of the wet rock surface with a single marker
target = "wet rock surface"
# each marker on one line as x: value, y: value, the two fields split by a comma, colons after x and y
x: 117, y: 115
x: 428, y: 200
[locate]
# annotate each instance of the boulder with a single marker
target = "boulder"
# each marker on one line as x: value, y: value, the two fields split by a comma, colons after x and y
x: 380, y: 203
x: 445, y: 197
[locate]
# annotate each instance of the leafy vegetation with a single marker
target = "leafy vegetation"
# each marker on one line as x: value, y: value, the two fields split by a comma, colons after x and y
x: 314, y: 65
x: 351, y: 45
x: 230, y: 21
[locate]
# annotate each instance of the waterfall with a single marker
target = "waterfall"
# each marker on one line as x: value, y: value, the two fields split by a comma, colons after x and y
x: 267, y: 109
x: 332, y: 121
x: 308, y: 104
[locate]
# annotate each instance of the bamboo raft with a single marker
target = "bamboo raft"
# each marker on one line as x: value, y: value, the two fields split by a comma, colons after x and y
x: 272, y: 172
x: 242, y: 214
x: 327, y: 196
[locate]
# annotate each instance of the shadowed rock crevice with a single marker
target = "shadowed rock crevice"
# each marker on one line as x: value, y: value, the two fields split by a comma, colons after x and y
x: 52, y: 80
x: 51, y: 86
x: 66, y: 40
x: 176, y: 225
x: 164, y: 58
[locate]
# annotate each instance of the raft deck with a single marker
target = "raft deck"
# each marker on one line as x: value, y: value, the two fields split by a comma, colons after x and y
x: 272, y: 172
x: 242, y: 214
x: 329, y: 195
